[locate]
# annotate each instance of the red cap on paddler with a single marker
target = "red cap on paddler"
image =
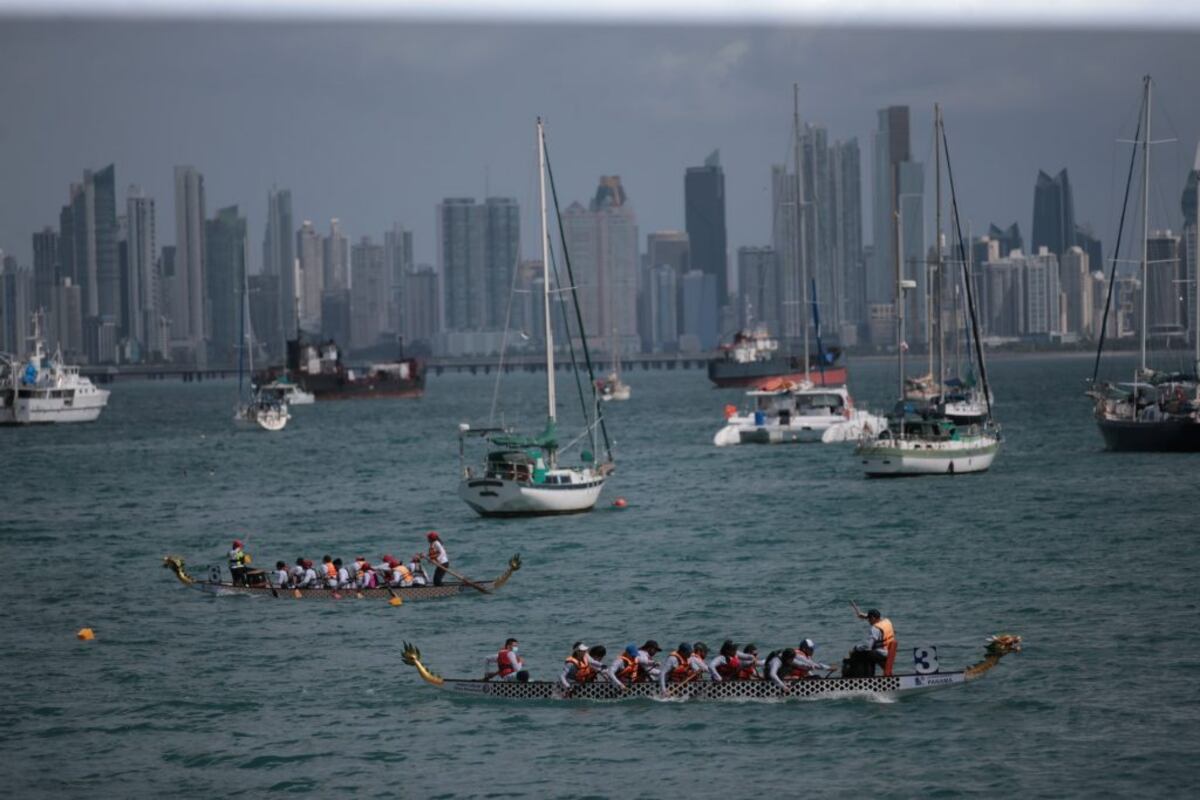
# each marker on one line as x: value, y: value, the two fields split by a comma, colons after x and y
x: 237, y: 542
x: 431, y: 536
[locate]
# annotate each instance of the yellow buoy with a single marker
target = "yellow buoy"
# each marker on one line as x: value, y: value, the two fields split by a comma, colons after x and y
x: 396, y: 601
x: 86, y: 634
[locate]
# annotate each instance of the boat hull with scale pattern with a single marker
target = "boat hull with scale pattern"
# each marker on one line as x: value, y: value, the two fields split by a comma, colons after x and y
x: 879, y: 686
x: 213, y: 585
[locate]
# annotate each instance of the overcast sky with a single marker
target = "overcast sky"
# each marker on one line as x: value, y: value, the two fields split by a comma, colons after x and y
x: 374, y: 122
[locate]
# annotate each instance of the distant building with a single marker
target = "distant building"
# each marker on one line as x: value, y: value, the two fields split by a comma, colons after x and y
x: 784, y: 236
x: 105, y: 298
x: 335, y: 316
x: 189, y: 322
x: 279, y: 256
x: 501, y: 254
x: 461, y: 228
x: 370, y: 294
x: 849, y: 296
x: 46, y: 279
x: 16, y: 301
x: 310, y: 259
x: 1053, y: 214
x: 1087, y: 241
x: 756, y: 287
x: 1075, y: 272
x: 1166, y: 296
x: 422, y: 311
x: 602, y: 241
x: 143, y: 296
x: 698, y: 330
x: 1006, y: 239
x: 398, y: 261
x: 663, y: 248
x: 336, y: 260
x: 1190, y: 244
x: 68, y: 304
x: 662, y: 309
x: 704, y: 214
x: 1042, y: 294
x: 226, y: 247
x: 264, y: 308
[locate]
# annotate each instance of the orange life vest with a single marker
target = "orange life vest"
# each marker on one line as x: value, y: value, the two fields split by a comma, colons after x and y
x: 628, y: 671
x: 682, y: 669
x: 887, y: 642
x: 730, y: 669
x: 405, y: 574
x: 584, y: 673
x: 747, y: 671
x: 330, y: 570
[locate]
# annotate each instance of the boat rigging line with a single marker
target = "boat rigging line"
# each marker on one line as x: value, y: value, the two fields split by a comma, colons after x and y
x: 587, y: 356
x: 1112, y: 275
x: 987, y: 392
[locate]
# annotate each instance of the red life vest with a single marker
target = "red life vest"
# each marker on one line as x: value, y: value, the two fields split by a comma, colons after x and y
x: 730, y: 669
x: 584, y: 673
x: 504, y: 663
x: 682, y: 669
x: 628, y: 671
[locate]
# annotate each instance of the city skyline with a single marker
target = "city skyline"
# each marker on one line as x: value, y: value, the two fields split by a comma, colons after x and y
x: 399, y: 158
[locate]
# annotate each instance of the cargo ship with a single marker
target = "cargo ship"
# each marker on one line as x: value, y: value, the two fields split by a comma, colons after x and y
x: 318, y: 368
x: 753, y: 361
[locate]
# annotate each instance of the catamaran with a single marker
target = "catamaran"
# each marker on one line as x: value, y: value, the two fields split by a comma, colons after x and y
x: 1158, y: 411
x: 522, y: 475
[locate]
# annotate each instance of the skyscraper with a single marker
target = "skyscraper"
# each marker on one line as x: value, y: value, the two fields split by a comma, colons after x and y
x: 1190, y: 203
x: 311, y: 256
x: 501, y: 251
x: 1007, y: 239
x: 849, y: 296
x: 189, y: 323
x: 663, y: 248
x: 602, y: 241
x: 460, y: 231
x: 398, y: 261
x: 756, y: 287
x: 662, y: 309
x: 226, y: 250
x: 105, y: 299
x: 16, y: 297
x: 336, y: 252
x: 1166, y: 301
x: 45, y: 270
x: 143, y: 287
x: 422, y: 309
x: 891, y: 147
x: 788, y: 294
x: 278, y: 256
x: 1076, y: 275
x: 370, y: 293
x: 704, y: 213
x: 1053, y: 214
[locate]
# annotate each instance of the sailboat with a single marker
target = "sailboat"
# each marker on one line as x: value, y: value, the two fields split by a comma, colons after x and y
x: 266, y: 408
x: 1158, y: 411
x: 611, y: 386
x: 920, y: 438
x: 522, y: 475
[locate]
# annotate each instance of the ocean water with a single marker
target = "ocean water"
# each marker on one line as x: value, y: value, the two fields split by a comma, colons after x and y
x: 1089, y: 555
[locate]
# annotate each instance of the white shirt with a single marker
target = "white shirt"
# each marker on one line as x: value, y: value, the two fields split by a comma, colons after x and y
x: 343, y: 577
x: 418, y: 572
x: 874, y: 641
x: 310, y: 577
x: 439, y: 554
x: 805, y: 662
x: 672, y: 663
x: 281, y: 577
x: 773, y: 666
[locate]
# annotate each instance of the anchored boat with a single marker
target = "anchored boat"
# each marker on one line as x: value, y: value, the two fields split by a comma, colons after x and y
x: 257, y: 585
x: 925, y: 678
x: 792, y: 413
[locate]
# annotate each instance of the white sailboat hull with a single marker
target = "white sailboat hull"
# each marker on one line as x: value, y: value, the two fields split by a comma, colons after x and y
x: 266, y: 419
x: 928, y: 458
x: 503, y: 497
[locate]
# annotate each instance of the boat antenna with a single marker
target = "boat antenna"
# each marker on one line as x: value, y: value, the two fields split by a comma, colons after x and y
x: 987, y: 393
x: 587, y: 356
x: 1112, y: 274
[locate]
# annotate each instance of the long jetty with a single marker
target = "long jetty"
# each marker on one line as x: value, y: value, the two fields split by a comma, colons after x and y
x: 190, y: 373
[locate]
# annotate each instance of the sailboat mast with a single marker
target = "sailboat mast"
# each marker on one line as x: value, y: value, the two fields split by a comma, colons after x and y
x: 1145, y: 222
x: 800, y: 255
x: 242, y: 342
x: 900, y: 345
x: 938, y: 267
x: 549, y: 336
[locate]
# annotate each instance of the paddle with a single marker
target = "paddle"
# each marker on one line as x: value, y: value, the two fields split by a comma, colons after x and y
x: 458, y: 575
x: 681, y: 684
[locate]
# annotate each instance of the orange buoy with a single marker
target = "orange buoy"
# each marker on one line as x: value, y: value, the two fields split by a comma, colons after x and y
x: 395, y: 601
x: 619, y: 502
x: 86, y: 634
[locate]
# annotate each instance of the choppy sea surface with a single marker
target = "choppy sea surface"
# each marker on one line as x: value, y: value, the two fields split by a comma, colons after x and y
x: 1091, y: 556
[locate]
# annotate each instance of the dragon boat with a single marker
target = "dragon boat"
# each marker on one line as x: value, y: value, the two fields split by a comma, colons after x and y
x: 925, y: 678
x: 214, y: 584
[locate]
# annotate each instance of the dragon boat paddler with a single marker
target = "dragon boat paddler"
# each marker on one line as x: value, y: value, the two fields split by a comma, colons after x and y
x: 238, y: 561
x: 509, y: 665
x: 438, y: 555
